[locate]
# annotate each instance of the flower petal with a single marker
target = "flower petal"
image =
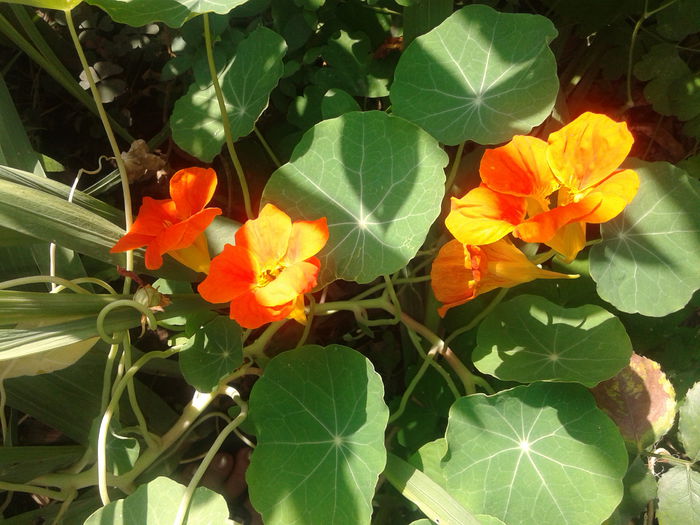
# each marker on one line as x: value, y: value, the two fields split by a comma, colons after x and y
x: 586, y: 151
x: 184, y: 233
x: 293, y: 281
x: 267, y: 236
x: 232, y: 273
x: 543, y: 227
x: 249, y: 313
x: 569, y: 240
x: 307, y: 239
x: 483, y: 216
x: 453, y: 283
x: 519, y: 168
x: 152, y: 219
x: 191, y: 189
x: 195, y: 256
x: 616, y: 192
x: 131, y: 241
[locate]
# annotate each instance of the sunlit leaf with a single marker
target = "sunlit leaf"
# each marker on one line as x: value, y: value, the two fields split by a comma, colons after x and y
x: 646, y: 261
x: 172, y: 12
x: 481, y: 75
x: 689, y: 423
x: 157, y: 502
x: 641, y: 401
x: 377, y: 179
x: 320, y: 421
x: 679, y: 497
x: 246, y: 82
x: 542, y: 453
x: 531, y: 339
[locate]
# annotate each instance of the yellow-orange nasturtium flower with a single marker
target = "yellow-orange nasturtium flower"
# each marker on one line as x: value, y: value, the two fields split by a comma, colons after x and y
x: 268, y: 271
x: 461, y: 272
x: 579, y: 162
x: 175, y: 226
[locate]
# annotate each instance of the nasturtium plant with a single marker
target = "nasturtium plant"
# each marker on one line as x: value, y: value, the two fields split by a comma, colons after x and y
x: 349, y: 262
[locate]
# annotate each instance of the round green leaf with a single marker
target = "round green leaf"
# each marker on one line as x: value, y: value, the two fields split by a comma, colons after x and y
x: 246, y: 82
x: 531, y: 339
x: 647, y: 260
x: 689, y: 423
x: 541, y: 454
x: 320, y: 419
x: 679, y: 497
x: 481, y: 75
x: 157, y: 502
x: 172, y: 12
x: 378, y: 180
x: 213, y: 352
x: 49, y: 4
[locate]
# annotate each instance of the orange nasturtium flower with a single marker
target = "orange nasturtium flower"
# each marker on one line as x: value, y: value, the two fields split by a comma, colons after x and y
x: 175, y: 226
x: 266, y: 274
x: 461, y: 272
x: 579, y: 162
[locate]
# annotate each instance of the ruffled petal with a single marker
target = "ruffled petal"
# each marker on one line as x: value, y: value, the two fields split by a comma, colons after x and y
x: 615, y: 192
x: 586, y: 151
x: 249, y: 313
x: 453, y: 283
x: 544, y: 226
x: 306, y: 240
x: 569, y: 240
x: 294, y: 280
x: 182, y: 234
x: 483, y: 216
x: 232, y: 273
x: 519, y: 168
x: 191, y: 189
x: 131, y: 241
x: 154, y: 255
x: 154, y: 216
x: 195, y: 256
x: 267, y: 236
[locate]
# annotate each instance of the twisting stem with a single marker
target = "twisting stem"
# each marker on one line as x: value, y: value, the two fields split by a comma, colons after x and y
x: 226, y: 123
x: 267, y: 147
x: 479, y: 317
x: 128, y: 218
x: 455, y: 167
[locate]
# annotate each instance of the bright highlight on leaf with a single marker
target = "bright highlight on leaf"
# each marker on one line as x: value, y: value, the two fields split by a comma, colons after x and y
x: 579, y: 162
x: 175, y: 226
x: 266, y: 274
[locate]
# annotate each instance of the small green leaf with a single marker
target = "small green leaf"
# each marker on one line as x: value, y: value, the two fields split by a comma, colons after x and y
x: 646, y: 261
x: 678, y: 19
x: 337, y: 102
x: 541, y: 454
x: 640, y: 489
x: 684, y: 96
x: 689, y: 423
x: 320, y: 417
x: 246, y: 82
x: 377, y: 179
x: 661, y: 66
x: 213, y: 353
x: 172, y: 12
x: 480, y: 75
x: 679, y: 497
x: 157, y: 502
x: 530, y: 339
x: 640, y: 400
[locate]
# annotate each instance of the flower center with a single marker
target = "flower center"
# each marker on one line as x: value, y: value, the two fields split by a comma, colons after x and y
x: 268, y: 275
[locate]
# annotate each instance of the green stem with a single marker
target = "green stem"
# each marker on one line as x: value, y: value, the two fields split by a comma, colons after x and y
x: 455, y: 167
x: 256, y: 350
x: 22, y: 281
x: 479, y: 317
x: 267, y: 147
x: 150, y: 318
x: 128, y: 217
x: 31, y: 489
x: 224, y: 118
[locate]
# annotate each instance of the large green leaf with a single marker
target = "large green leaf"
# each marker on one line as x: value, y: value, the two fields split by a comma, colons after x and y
x: 646, y: 261
x: 246, y: 82
x: 214, y: 351
x: 689, y: 423
x: 320, y: 418
x: 679, y: 497
x: 15, y: 148
x: 157, y: 502
x: 531, y: 339
x: 22, y: 464
x: 50, y: 218
x: 172, y: 12
x: 541, y: 454
x: 480, y: 75
x: 377, y: 179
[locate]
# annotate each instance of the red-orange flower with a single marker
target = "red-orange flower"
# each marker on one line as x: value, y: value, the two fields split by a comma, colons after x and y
x: 579, y: 162
x: 461, y: 272
x: 266, y: 274
x: 175, y: 226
